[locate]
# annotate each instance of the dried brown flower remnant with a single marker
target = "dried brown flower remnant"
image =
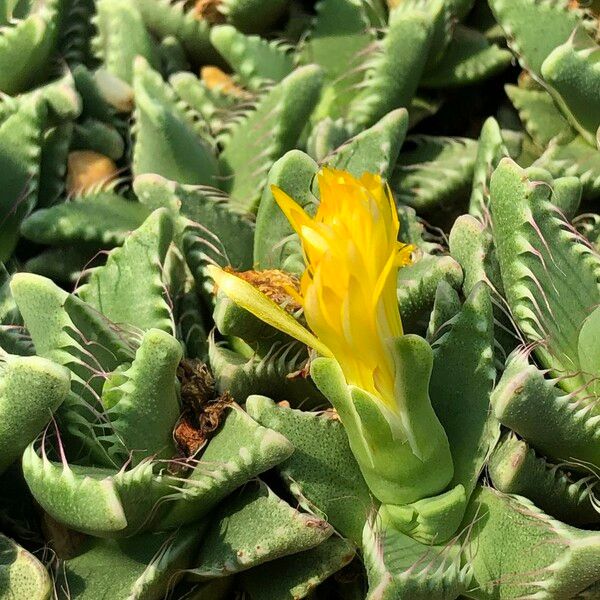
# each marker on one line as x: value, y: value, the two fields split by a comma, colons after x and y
x: 216, y: 79
x: 88, y: 170
x: 202, y: 410
x: 189, y: 438
x: 197, y: 383
x: 281, y: 287
x: 208, y: 10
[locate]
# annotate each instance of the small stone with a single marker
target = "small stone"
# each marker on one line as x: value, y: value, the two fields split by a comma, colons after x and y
x: 216, y: 79
x: 208, y: 10
x: 89, y: 170
x: 114, y: 90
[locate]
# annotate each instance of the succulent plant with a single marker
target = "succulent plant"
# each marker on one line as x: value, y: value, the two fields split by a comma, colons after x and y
x: 298, y: 299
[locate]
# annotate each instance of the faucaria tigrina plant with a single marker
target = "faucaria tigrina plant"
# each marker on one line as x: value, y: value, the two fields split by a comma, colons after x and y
x: 299, y: 299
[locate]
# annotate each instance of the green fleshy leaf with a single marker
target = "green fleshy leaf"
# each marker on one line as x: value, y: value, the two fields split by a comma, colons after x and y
x: 53, y: 164
x: 373, y: 150
x: 574, y: 159
x: 515, y: 550
x: 566, y: 195
x: 60, y: 488
x: 439, y: 15
x: 212, y: 230
x: 173, y: 58
x: 395, y: 69
x: 296, y: 576
x: 103, y: 218
x: 22, y: 138
x: 168, y: 141
x: 71, y: 333
x: 27, y: 45
x: 99, y: 501
x: 77, y: 31
x: 240, y: 450
x: 32, y: 388
x: 214, y: 105
x: 193, y: 329
x: 461, y: 382
x: 97, y: 136
x: 252, y: 16
x: 253, y: 59
x: 276, y: 245
x: 416, y: 180
x: 273, y: 128
x: 128, y: 289
x: 165, y: 18
x: 534, y: 28
x: 514, y: 468
x: 540, y: 116
x: 490, y: 149
x: 339, y: 41
x: 468, y: 59
x: 447, y: 305
x: 559, y: 425
x: 21, y: 574
x: 471, y: 244
x: 253, y: 527
x: 542, y: 262
x: 13, y: 338
x: 68, y: 332
x: 323, y: 477
x: 398, y: 566
x: 95, y: 104
x: 589, y: 346
x: 145, y: 567
x: 59, y: 322
x: 145, y: 393
x: 325, y: 137
x: 122, y: 37
x: 339, y: 34
x: 417, y: 285
x: 65, y: 264
x: 274, y: 370
x: 573, y: 74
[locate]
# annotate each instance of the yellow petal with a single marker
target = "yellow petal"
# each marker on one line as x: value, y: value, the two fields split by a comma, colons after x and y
x: 248, y: 297
x: 314, y: 243
x: 292, y: 210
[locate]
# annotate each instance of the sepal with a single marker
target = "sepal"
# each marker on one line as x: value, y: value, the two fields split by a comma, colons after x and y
x: 403, y: 454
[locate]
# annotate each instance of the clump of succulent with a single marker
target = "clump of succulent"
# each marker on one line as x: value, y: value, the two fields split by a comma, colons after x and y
x: 299, y: 298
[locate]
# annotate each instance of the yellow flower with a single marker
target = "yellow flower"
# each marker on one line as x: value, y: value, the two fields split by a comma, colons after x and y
x: 348, y: 290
